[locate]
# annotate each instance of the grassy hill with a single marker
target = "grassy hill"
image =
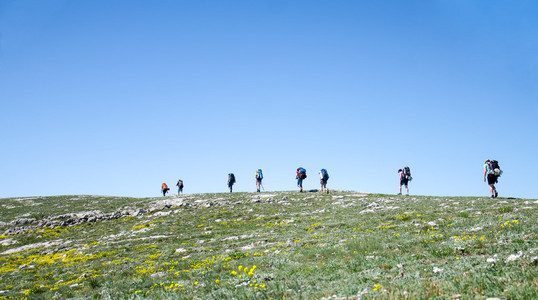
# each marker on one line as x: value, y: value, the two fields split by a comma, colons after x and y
x: 274, y: 245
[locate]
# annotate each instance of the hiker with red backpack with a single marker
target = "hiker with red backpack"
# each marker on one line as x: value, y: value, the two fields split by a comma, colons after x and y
x: 164, y: 189
x: 405, y: 177
x: 492, y: 171
x: 301, y: 175
x: 323, y: 178
x: 259, y: 177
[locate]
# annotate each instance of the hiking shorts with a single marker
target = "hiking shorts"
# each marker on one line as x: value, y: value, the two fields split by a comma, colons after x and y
x: 404, y: 181
x: 300, y: 182
x: 259, y: 180
x: 492, y: 179
x: 323, y: 181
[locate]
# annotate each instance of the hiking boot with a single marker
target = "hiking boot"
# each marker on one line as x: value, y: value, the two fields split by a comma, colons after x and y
x: 399, y: 193
x: 496, y: 194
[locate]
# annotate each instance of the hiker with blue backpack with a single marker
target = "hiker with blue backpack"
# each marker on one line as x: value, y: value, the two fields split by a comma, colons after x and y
x: 231, y: 181
x: 405, y: 177
x: 492, y: 171
x: 301, y: 175
x: 259, y: 177
x: 323, y: 178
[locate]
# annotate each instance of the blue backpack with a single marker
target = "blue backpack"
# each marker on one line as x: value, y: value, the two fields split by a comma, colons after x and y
x: 324, y: 174
x: 259, y: 174
x: 302, y: 173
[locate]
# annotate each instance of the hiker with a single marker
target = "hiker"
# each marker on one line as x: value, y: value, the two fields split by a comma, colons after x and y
x: 323, y: 178
x: 164, y: 189
x: 231, y: 181
x: 405, y: 177
x: 259, y: 177
x: 301, y: 175
x: 492, y: 171
x: 179, y: 187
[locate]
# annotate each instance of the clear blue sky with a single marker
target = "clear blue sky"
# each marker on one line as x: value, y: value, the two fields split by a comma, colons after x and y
x: 115, y: 97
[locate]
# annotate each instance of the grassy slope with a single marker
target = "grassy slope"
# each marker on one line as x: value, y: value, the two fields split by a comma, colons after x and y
x: 273, y: 245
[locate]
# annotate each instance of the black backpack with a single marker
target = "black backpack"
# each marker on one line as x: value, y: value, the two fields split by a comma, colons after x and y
x: 494, y: 168
x: 231, y: 178
x: 493, y: 164
x: 407, y: 173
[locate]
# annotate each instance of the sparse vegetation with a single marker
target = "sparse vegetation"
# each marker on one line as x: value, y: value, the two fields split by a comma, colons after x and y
x: 275, y: 245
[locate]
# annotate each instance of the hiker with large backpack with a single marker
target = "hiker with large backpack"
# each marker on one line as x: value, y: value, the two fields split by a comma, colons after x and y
x: 259, y: 177
x: 164, y: 189
x: 180, y: 186
x: 301, y: 175
x: 405, y: 177
x: 492, y: 171
x: 231, y: 181
x: 323, y: 178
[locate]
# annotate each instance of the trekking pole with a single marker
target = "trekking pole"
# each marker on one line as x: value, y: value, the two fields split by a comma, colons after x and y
x: 262, y: 186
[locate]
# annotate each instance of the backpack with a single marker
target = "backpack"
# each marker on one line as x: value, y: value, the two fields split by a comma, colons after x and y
x: 407, y: 173
x: 302, y: 173
x: 231, y: 178
x: 259, y: 174
x: 494, y: 168
x: 324, y: 174
x: 180, y: 183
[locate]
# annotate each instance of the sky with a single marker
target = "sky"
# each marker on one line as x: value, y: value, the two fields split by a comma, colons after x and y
x: 115, y: 97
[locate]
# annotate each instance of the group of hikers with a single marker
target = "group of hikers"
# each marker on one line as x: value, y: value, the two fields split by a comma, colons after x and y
x: 165, y: 188
x: 300, y: 176
x: 492, y: 172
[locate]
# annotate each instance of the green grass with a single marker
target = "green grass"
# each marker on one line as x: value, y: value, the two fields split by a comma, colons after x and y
x: 275, y: 245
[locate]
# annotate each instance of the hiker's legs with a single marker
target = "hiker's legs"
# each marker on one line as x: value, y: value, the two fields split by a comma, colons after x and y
x: 493, y: 190
x: 407, y: 189
x: 492, y: 179
x: 400, y: 189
